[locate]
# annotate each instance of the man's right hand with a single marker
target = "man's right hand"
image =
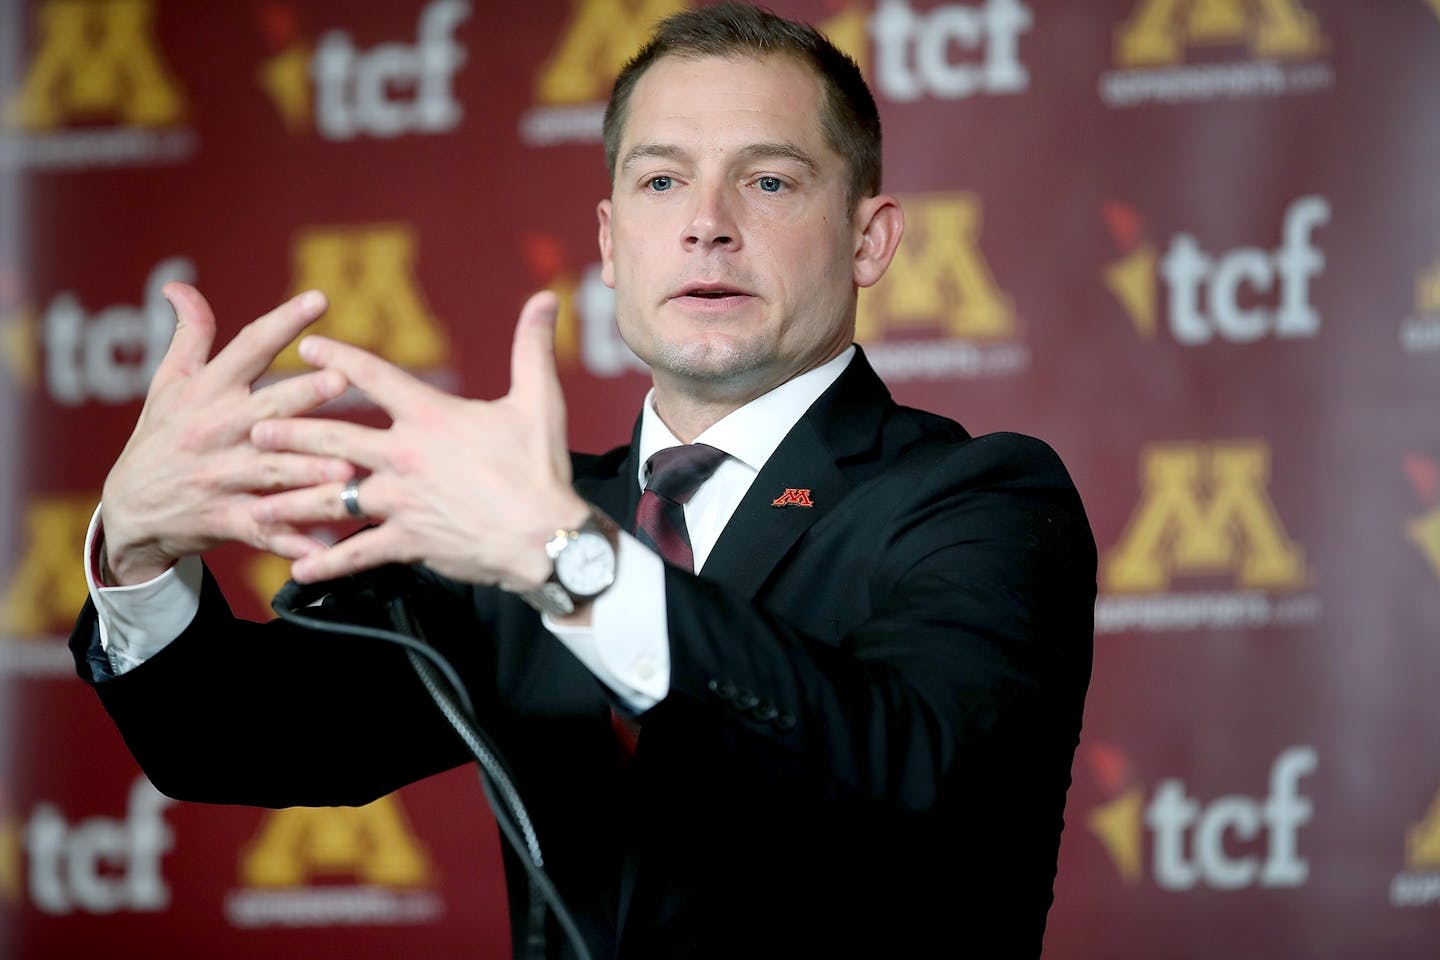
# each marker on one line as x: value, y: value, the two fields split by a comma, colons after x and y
x: 186, y: 478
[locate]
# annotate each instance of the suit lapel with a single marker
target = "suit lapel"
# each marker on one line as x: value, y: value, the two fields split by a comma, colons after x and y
x: 843, y: 423
x: 761, y: 532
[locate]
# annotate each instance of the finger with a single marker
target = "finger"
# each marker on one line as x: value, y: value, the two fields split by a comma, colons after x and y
x: 294, y: 395
x: 534, y: 380
x: 366, y: 550
x: 317, y: 504
x: 289, y: 544
x: 321, y: 437
x: 394, y: 390
x: 278, y: 538
x: 247, y: 471
x: 259, y: 342
x: 243, y: 469
x: 194, y: 335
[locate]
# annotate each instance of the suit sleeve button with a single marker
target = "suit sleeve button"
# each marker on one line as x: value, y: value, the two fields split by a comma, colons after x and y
x: 785, y: 722
x: 745, y: 700
x: 765, y: 711
x: 722, y: 688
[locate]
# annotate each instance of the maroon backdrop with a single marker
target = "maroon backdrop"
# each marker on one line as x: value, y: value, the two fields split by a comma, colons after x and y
x: 1194, y: 244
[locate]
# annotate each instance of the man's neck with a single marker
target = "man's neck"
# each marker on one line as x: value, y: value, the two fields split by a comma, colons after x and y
x: 689, y: 412
x: 689, y: 408
x: 688, y: 416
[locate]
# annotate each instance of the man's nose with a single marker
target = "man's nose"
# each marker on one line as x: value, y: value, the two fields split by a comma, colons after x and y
x: 712, y: 221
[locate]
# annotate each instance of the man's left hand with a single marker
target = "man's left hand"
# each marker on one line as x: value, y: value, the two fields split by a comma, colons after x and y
x: 473, y: 489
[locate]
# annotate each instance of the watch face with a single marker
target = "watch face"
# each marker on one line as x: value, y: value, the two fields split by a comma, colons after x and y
x: 587, y: 564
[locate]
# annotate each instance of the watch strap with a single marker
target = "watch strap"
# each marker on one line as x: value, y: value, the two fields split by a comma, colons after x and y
x: 550, y: 598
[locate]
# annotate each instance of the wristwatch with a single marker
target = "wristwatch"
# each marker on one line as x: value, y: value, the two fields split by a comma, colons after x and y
x: 582, y: 566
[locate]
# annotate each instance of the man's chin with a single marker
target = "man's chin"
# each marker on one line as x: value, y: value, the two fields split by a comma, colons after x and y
x: 711, y: 368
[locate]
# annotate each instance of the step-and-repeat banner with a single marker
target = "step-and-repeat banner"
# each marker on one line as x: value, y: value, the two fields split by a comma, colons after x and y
x: 1194, y: 244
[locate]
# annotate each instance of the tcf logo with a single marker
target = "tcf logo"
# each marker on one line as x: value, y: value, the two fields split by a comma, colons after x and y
x: 110, y: 354
x: 914, y: 50
x: 1207, y: 293
x: 100, y: 865
x: 1228, y: 843
x: 390, y: 90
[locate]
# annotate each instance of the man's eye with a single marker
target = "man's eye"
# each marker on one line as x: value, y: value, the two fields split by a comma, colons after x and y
x: 661, y: 184
x: 770, y: 184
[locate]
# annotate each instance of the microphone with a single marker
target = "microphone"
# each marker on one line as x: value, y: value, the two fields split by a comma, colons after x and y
x: 448, y: 691
x: 381, y: 585
x: 289, y: 597
x: 295, y: 596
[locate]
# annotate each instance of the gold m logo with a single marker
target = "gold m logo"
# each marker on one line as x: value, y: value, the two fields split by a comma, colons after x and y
x: 1205, y: 509
x: 97, y: 60
x: 373, y: 844
x: 1422, y: 841
x: 939, y: 277
x: 1425, y: 532
x: 375, y: 300
x: 1159, y: 31
x: 49, y: 587
x: 602, y: 36
x: 1427, y: 291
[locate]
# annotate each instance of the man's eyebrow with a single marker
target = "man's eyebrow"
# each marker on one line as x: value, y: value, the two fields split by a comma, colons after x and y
x: 641, y: 151
x: 780, y: 151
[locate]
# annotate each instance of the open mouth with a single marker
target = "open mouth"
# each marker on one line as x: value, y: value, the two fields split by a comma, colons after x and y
x: 709, y: 292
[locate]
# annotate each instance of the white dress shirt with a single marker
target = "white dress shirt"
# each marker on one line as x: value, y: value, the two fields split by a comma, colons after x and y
x: 627, y: 645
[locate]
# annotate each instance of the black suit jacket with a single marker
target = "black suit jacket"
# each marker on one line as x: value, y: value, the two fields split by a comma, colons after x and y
x: 873, y: 707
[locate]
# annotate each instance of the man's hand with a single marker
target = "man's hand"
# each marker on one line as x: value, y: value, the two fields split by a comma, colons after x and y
x: 471, y: 488
x: 188, y: 475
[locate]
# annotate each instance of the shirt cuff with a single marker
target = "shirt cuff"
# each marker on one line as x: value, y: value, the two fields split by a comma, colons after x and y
x: 627, y: 645
x: 140, y: 620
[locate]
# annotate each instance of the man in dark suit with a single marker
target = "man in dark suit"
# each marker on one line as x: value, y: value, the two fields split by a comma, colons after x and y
x: 856, y: 721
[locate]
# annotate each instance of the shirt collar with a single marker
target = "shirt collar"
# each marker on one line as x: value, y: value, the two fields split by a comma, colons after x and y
x: 751, y: 433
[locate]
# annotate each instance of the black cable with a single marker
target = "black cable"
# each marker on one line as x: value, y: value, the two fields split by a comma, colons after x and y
x: 505, y: 802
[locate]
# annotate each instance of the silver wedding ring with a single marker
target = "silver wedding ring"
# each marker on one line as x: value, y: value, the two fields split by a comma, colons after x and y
x: 350, y: 496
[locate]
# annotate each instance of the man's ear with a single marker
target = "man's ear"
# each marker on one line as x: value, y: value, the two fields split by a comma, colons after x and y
x: 607, y: 254
x: 879, y: 222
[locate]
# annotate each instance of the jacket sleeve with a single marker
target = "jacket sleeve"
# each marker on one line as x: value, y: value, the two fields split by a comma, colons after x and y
x: 275, y: 715
x: 938, y: 630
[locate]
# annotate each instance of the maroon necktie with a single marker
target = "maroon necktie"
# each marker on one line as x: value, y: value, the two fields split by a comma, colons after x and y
x: 674, y: 474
